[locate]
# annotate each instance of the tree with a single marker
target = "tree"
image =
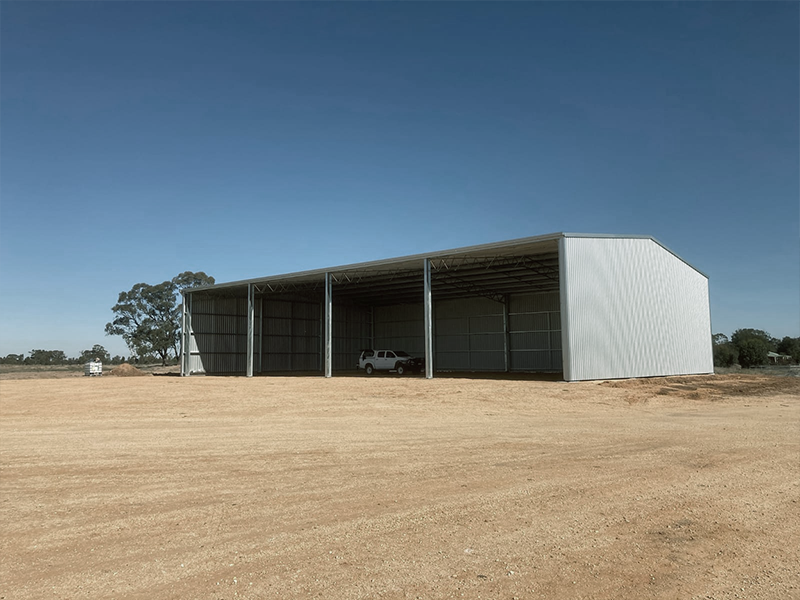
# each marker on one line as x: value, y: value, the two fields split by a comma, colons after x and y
x: 725, y: 353
x: 743, y: 334
x: 790, y: 346
x: 148, y: 317
x: 46, y: 357
x: 98, y: 352
x: 13, y: 359
x: 187, y: 279
x: 752, y: 352
x: 753, y: 346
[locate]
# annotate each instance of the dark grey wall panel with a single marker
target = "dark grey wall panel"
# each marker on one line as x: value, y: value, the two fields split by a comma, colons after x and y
x: 400, y: 327
x: 535, y: 332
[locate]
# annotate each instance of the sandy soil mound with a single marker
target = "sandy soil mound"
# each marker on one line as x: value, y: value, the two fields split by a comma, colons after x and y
x: 126, y: 370
x: 705, y: 387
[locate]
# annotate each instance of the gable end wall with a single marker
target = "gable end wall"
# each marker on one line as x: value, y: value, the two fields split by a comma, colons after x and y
x: 633, y: 310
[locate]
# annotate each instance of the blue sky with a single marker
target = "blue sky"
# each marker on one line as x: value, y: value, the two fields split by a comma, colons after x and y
x: 143, y: 139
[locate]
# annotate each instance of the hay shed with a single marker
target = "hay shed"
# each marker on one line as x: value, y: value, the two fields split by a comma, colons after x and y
x: 581, y: 305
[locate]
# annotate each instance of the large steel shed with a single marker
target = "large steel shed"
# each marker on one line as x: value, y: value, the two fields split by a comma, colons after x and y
x: 587, y: 306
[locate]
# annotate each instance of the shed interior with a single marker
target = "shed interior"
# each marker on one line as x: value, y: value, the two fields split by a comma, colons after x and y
x: 495, y: 308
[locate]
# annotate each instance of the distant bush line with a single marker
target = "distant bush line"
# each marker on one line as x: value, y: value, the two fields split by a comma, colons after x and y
x: 746, y: 347
x: 754, y: 348
x: 59, y: 357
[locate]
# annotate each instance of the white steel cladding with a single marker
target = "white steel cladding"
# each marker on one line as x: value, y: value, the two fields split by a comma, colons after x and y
x: 634, y: 309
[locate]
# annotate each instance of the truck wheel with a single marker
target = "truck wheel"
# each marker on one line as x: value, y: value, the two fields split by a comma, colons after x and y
x: 369, y: 369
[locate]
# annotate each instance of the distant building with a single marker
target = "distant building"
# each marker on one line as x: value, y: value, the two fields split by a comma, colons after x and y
x: 777, y: 359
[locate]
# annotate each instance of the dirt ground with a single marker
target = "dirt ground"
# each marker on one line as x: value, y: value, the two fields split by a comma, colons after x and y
x: 350, y: 487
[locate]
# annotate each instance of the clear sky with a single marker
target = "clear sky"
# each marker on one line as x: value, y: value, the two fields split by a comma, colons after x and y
x: 142, y: 139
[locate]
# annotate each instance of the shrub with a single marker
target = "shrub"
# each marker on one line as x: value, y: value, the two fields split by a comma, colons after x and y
x: 752, y: 352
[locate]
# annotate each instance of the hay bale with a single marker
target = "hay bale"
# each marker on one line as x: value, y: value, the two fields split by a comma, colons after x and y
x: 127, y: 370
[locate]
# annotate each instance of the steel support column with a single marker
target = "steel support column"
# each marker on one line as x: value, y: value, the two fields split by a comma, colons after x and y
x: 184, y: 338
x: 260, y: 333
x: 428, y: 324
x: 506, y: 335
x: 563, y: 276
x: 328, y: 341
x: 251, y: 292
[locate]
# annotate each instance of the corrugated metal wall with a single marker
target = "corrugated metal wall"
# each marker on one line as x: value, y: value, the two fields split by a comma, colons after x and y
x: 400, y: 327
x: 218, y: 343
x: 534, y: 324
x: 351, y: 335
x: 469, y: 335
x: 287, y: 336
x: 633, y: 310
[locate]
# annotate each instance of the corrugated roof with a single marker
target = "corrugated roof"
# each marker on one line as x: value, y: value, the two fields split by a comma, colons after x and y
x: 492, y: 270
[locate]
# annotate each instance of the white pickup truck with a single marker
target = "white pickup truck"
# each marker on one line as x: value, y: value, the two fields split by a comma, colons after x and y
x: 389, y: 360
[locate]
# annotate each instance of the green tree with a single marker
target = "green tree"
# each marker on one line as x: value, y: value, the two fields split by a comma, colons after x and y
x: 148, y: 317
x: 752, y: 352
x: 744, y: 334
x: 725, y: 353
x: 187, y: 279
x: 12, y: 359
x: 46, y: 357
x: 753, y: 346
x: 98, y: 352
x: 791, y: 346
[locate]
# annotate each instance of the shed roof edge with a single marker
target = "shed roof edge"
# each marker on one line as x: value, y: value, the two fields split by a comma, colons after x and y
x: 388, y: 262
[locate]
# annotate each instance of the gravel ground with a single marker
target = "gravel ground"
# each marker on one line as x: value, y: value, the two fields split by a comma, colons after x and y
x: 305, y: 487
